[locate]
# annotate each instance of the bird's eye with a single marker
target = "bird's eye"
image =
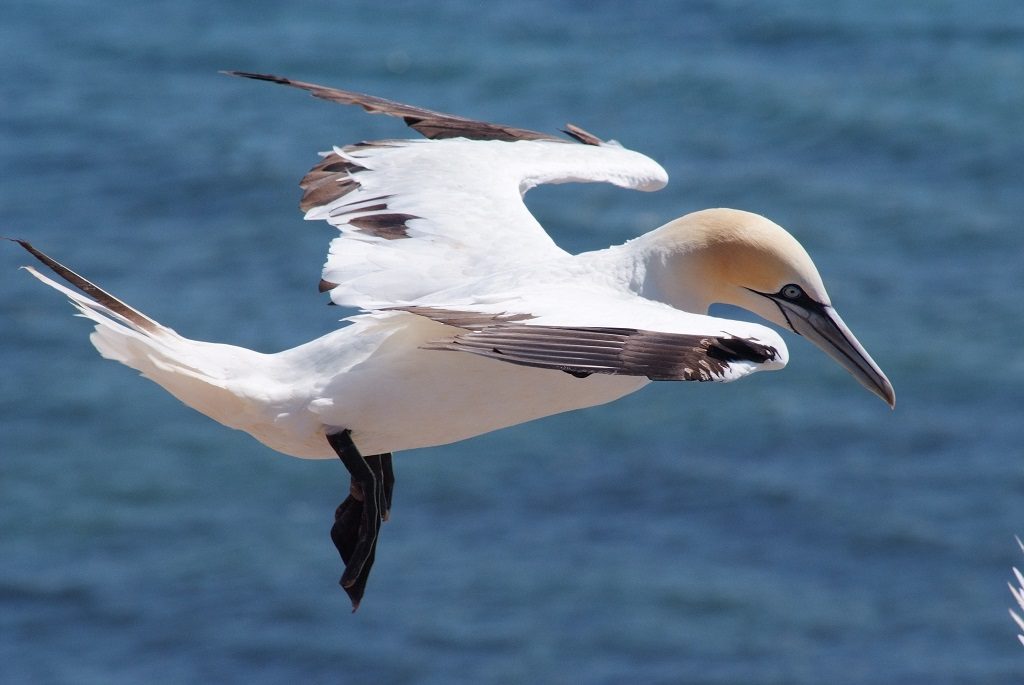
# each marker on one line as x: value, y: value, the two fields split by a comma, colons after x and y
x: 792, y: 292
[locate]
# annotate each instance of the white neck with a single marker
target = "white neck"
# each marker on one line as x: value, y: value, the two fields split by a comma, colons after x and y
x: 650, y: 266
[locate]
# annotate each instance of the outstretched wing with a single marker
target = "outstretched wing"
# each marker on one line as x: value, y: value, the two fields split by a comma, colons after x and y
x: 420, y: 216
x: 584, y: 332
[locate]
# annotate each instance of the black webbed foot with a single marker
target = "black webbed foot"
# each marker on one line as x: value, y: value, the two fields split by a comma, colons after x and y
x: 357, y: 520
x: 345, y: 532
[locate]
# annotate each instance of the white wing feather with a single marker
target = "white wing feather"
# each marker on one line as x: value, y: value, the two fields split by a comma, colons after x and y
x: 420, y: 216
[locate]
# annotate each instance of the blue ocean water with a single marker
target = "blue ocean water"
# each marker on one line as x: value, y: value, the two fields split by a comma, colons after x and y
x: 785, y: 529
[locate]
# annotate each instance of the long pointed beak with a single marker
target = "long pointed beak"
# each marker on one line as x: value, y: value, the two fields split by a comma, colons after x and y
x: 822, y: 326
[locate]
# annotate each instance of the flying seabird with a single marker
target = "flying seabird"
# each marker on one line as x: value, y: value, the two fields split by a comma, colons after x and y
x: 472, y: 318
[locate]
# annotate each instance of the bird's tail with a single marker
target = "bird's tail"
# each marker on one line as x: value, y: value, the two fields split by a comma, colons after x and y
x: 197, y: 373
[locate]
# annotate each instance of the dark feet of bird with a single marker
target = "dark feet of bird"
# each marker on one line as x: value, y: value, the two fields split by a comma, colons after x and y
x: 357, y: 520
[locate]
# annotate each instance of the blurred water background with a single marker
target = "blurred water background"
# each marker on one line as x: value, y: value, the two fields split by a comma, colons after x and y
x: 785, y: 529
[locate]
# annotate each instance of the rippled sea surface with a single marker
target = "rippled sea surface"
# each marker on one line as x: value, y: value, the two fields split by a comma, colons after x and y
x: 785, y: 529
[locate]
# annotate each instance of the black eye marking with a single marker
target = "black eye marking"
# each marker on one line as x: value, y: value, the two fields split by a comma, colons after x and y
x: 792, y: 292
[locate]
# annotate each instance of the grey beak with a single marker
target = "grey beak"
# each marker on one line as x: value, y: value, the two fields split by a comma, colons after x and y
x: 821, y: 325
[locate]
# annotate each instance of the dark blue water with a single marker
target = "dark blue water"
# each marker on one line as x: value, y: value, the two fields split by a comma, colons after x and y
x: 785, y: 529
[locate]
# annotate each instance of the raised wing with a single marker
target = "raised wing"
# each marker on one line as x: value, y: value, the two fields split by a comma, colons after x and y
x: 420, y: 216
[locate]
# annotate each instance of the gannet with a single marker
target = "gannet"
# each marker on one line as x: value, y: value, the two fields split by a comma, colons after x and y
x: 471, y: 318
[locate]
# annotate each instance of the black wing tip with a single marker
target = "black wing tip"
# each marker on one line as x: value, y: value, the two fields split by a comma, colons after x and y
x: 733, y: 349
x: 256, y: 76
x: 30, y: 248
x: 429, y: 123
x: 581, y: 135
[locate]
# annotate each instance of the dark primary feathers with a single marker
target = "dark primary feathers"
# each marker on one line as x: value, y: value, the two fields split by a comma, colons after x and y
x: 431, y: 124
x: 582, y: 350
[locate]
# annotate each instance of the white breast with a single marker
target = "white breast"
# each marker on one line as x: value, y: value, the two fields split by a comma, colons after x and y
x: 396, y: 396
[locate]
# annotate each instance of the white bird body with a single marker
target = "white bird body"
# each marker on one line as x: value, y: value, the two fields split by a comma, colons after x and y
x: 376, y: 376
x: 403, y: 397
x: 473, y: 318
